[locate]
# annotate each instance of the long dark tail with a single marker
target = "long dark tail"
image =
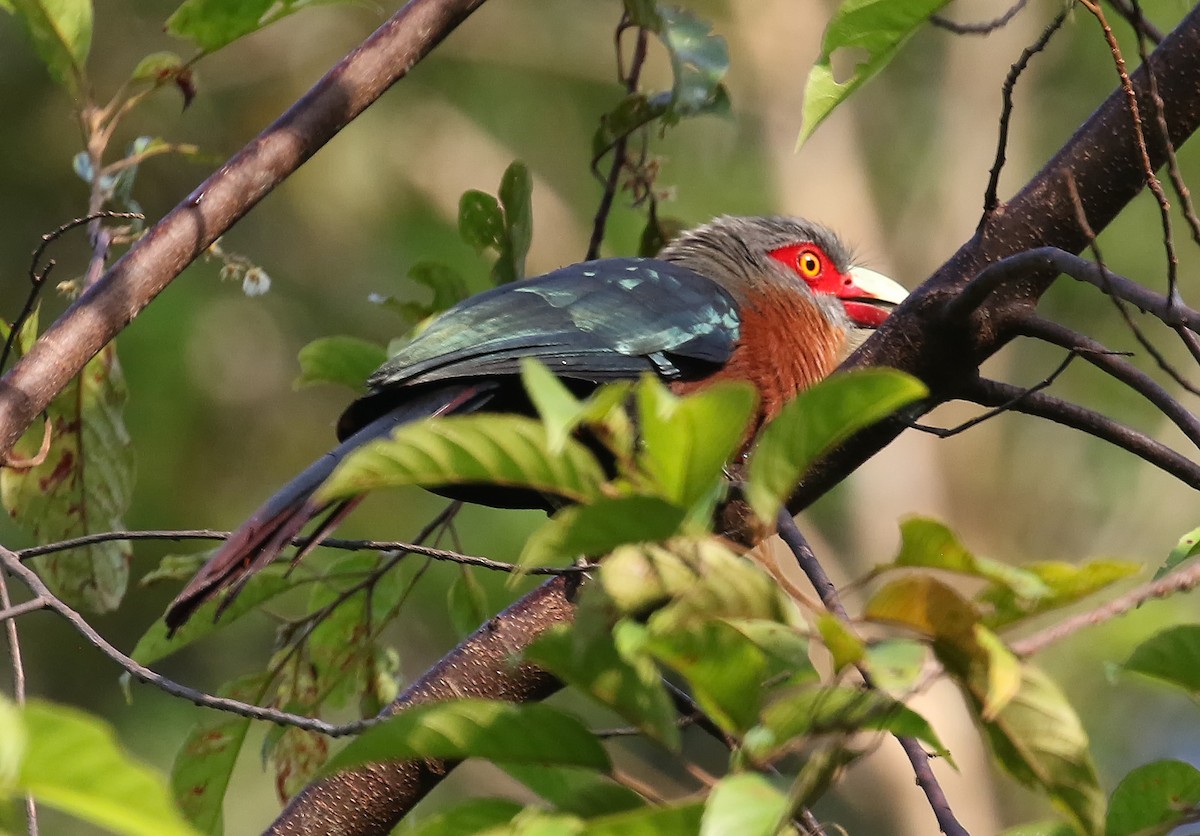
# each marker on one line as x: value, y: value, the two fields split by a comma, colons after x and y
x: 272, y: 527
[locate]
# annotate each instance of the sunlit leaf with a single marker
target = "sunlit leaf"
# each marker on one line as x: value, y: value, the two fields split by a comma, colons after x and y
x: 809, y: 710
x: 929, y: 543
x: 469, y: 728
x: 1039, y: 740
x: 73, y: 763
x: 598, y: 528
x: 688, y: 440
x: 61, y: 31
x: 506, y: 450
x: 632, y: 687
x: 1172, y: 656
x: 204, y: 763
x: 877, y: 28
x: 724, y: 670
x: 815, y: 421
x: 83, y: 485
x: 559, y: 410
x: 344, y: 360
x: 212, y: 24
x: 679, y: 820
x: 156, y: 66
x: 472, y: 816
x: 843, y: 645
x: 896, y: 665
x: 784, y: 648
x: 1187, y: 547
x: 580, y: 792
x: 1050, y: 827
x: 1066, y: 582
x: 1154, y: 799
x: 747, y: 804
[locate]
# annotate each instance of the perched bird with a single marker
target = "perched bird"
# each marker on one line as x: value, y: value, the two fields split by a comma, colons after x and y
x: 773, y: 301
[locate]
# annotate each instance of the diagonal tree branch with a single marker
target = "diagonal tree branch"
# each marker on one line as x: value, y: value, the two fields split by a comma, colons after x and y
x: 106, y: 307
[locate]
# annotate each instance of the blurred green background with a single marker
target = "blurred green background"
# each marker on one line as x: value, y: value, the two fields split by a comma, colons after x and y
x: 899, y: 172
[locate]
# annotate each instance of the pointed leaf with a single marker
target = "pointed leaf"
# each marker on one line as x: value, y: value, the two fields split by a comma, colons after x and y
x: 929, y: 543
x: 580, y: 792
x: 82, y: 486
x: 471, y: 728
x: 72, y: 762
x: 1066, y: 582
x: 699, y: 60
x: 1154, y: 799
x: 680, y: 820
x: 516, y: 190
x: 1172, y: 656
x: 596, y: 529
x: 61, y: 31
x: 632, y: 687
x: 480, y: 221
x: 508, y: 450
x: 843, y: 645
x: 1187, y: 547
x: 344, y: 360
x: 559, y: 410
x: 475, y: 815
x: 466, y: 603
x: 880, y: 27
x: 747, y: 804
x: 816, y: 420
x: 1039, y: 740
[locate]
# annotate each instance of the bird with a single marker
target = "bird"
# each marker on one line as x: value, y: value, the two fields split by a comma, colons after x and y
x: 775, y: 301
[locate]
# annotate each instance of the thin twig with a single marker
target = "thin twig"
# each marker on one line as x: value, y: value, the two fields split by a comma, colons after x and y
x: 1133, y: 15
x: 27, y: 576
x: 8, y: 614
x: 790, y: 533
x: 990, y: 196
x: 329, y: 542
x: 994, y: 393
x: 1181, y: 580
x: 985, y: 28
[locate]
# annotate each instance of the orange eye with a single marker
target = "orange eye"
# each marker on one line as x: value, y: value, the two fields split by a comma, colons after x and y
x: 809, y: 264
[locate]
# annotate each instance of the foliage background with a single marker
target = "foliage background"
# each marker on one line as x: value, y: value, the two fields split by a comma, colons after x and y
x: 899, y: 171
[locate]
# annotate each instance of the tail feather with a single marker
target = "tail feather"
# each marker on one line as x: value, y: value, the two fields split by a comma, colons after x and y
x: 272, y: 527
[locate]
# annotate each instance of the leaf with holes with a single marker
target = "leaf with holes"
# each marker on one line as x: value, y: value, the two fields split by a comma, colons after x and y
x: 1154, y: 799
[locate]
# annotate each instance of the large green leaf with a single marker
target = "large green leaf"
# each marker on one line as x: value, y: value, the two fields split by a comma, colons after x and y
x: 470, y: 728
x: 1066, y: 582
x: 212, y: 24
x: 83, y: 485
x: 1039, y: 740
x: 687, y: 441
x: 746, y: 804
x: 929, y: 543
x: 598, y: 528
x: 72, y: 762
x: 1172, y: 655
x: 815, y: 421
x: 475, y: 815
x: 628, y: 684
x: 344, y: 360
x: 580, y: 792
x: 508, y: 450
x: 679, y: 820
x: 204, y: 763
x: 1154, y: 799
x: 877, y: 27
x: 61, y: 31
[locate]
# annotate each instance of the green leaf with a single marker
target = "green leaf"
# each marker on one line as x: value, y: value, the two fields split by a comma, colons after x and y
x: 154, y: 643
x: 471, y: 728
x: 878, y: 27
x: 784, y: 648
x: 559, y: 410
x: 1050, y: 827
x: 746, y: 804
x: 61, y: 31
x: 297, y: 757
x: 516, y: 196
x: 1188, y: 546
x: 447, y: 285
x: 699, y: 60
x: 340, y: 648
x: 508, y: 450
x: 632, y: 112
x: 816, y: 420
x: 843, y: 645
x: 82, y: 486
x: 580, y: 792
x: 466, y: 602
x: 345, y: 360
x: 204, y: 763
x: 629, y: 684
x: 596, y: 529
x: 1172, y: 656
x: 1039, y: 740
x: 896, y: 665
x: 212, y: 24
x: 1066, y: 582
x: 808, y: 710
x: 681, y: 820
x: 72, y: 762
x: 1154, y: 799
x: 687, y: 441
x: 928, y: 543
x: 473, y: 816
x: 723, y: 668
x: 157, y: 66
x: 480, y: 220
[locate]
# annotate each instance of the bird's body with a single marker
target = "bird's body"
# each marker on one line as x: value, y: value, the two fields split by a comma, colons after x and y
x: 772, y: 301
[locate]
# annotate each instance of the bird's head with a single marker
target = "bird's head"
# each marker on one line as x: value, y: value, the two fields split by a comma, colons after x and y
x: 750, y: 255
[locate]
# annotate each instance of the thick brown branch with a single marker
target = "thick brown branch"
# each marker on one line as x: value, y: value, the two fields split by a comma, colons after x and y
x: 175, y: 241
